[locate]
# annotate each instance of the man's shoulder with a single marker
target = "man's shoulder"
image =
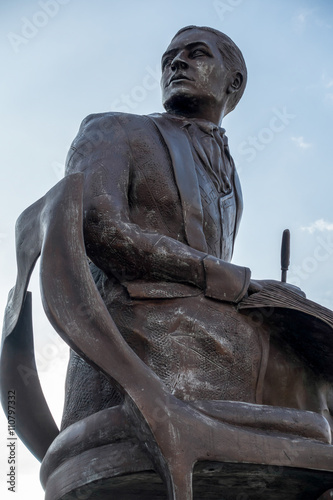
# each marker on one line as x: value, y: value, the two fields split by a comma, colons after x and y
x: 114, y: 132
x: 112, y: 116
x: 112, y: 119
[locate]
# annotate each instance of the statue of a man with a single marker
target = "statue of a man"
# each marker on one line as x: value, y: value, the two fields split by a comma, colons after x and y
x: 162, y: 208
x: 162, y: 205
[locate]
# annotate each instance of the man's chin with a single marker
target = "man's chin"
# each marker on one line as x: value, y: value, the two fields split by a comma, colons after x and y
x: 181, y: 103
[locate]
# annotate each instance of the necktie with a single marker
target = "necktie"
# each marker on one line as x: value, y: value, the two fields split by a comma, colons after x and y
x: 211, y: 147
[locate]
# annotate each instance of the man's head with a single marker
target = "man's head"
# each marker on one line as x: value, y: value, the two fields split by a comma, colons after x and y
x: 203, y: 74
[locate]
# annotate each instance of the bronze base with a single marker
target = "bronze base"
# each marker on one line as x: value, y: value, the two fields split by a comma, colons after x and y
x: 213, y: 481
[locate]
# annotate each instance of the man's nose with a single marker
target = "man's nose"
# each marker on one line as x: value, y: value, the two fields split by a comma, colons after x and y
x: 179, y: 62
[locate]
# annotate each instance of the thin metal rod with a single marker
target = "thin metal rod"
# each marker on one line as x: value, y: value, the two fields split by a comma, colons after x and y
x: 285, y: 254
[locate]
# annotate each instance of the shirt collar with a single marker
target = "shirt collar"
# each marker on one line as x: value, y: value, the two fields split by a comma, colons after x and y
x: 204, y: 125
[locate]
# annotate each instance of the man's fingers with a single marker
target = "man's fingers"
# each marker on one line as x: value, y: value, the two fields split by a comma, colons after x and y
x: 254, y: 287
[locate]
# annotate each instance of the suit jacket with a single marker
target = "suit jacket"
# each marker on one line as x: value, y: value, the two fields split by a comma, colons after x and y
x: 133, y: 178
x: 53, y: 227
x: 144, y: 221
x: 145, y: 228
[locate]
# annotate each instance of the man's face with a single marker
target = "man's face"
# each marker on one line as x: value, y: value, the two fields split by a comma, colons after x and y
x: 193, y: 74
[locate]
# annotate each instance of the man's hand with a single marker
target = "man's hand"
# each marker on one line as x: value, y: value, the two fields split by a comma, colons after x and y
x: 254, y: 287
x: 257, y: 285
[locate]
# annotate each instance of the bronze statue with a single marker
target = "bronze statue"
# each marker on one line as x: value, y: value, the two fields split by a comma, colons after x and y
x: 182, y: 367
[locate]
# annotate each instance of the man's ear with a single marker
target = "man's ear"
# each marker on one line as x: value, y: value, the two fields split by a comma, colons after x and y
x: 236, y: 83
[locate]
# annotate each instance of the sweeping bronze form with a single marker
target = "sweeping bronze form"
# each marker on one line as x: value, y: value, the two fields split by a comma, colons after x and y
x: 178, y: 357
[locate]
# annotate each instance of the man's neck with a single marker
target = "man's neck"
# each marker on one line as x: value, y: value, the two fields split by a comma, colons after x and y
x: 194, y: 109
x: 185, y: 120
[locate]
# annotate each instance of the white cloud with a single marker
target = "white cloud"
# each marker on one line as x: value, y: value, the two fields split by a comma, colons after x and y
x: 300, y: 20
x: 323, y: 24
x: 318, y: 225
x: 304, y: 16
x: 327, y: 80
x: 301, y: 142
x: 329, y: 98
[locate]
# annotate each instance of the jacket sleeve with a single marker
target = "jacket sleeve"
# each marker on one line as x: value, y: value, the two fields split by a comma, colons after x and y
x: 120, y: 247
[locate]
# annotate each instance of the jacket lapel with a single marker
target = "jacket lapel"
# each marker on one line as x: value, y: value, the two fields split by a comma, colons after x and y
x: 239, y: 201
x: 186, y: 179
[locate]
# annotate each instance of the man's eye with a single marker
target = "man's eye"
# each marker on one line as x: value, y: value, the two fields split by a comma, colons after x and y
x: 166, y: 62
x: 198, y: 53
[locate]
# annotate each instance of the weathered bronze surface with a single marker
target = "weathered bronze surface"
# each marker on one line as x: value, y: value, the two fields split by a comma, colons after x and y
x: 179, y: 360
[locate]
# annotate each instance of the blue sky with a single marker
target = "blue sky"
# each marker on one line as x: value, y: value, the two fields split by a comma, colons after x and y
x: 64, y: 59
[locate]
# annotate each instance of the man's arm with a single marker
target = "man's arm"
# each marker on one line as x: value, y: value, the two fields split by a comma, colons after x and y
x: 120, y: 247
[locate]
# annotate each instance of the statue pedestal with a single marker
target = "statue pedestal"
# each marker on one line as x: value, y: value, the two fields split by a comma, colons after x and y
x: 211, y: 481
x: 123, y: 470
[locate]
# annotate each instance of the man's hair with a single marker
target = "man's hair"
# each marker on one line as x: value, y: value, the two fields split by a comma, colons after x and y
x: 232, y: 56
